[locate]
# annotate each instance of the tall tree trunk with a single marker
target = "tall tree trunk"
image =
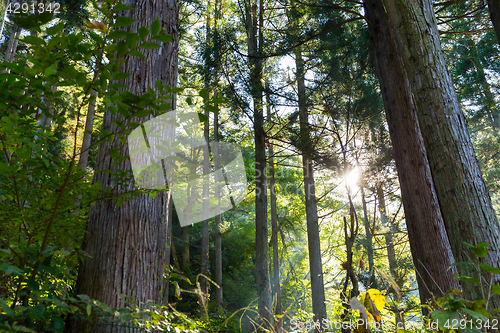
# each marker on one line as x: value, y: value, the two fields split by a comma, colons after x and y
x: 4, y: 16
x: 205, y: 234
x: 313, y: 240
x: 389, y: 243
x: 87, y: 135
x: 369, y: 242
x: 494, y: 8
x: 127, y: 244
x: 254, y: 21
x: 218, y: 236
x: 464, y: 200
x: 12, y: 45
x: 429, y: 243
x: 185, y: 250
x: 491, y: 105
x: 275, y: 231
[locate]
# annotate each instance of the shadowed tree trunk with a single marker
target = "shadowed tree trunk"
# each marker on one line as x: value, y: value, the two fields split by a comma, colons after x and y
x: 369, y: 241
x: 429, y: 243
x: 127, y: 244
x: 464, y: 200
x: 313, y: 240
x: 254, y: 25
x: 218, y: 219
x: 494, y: 8
x: 275, y: 231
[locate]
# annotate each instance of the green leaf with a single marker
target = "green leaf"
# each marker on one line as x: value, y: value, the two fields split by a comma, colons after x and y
x: 132, y: 39
x: 490, y: 269
x: 117, y: 34
x: 495, y: 289
x: 33, y: 40
x: 149, y: 45
x: 466, y: 279
x: 137, y: 54
x: 143, y: 33
x: 32, y: 285
x: 89, y: 309
x: 121, y: 76
x: 164, y: 38
x: 159, y: 86
x: 81, y: 79
x: 120, y: 6
x: 153, y: 194
x: 474, y: 314
x: 6, y: 308
x: 202, y: 117
x: 115, y: 152
x: 121, y: 48
x: 55, y: 29
x: 123, y: 21
x: 444, y: 316
x: 155, y: 27
x: 203, y: 93
x: 212, y: 108
x: 480, y: 252
x: 51, y: 70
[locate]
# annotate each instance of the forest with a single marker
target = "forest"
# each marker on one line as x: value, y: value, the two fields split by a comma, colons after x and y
x: 237, y: 166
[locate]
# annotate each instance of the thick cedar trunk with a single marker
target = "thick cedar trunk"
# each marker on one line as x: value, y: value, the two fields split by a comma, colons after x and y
x: 274, y: 232
x: 369, y: 242
x: 313, y: 240
x: 426, y: 232
x: 253, y: 21
x: 127, y: 244
x: 494, y: 8
x: 464, y: 200
x: 218, y: 236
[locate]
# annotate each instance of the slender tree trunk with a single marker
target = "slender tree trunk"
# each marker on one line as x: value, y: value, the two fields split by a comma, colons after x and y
x: 169, y: 245
x: 4, y: 16
x: 389, y: 242
x: 254, y: 22
x: 494, y: 8
x: 275, y: 231
x: 205, y: 234
x: 218, y: 236
x: 369, y: 242
x: 185, y: 249
x: 313, y: 240
x: 127, y: 244
x: 464, y: 200
x: 87, y: 135
x: 491, y: 105
x: 429, y: 243
x: 12, y: 45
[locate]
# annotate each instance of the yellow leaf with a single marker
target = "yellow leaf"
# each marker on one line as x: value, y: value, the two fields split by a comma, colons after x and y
x: 96, y: 25
x: 374, y: 300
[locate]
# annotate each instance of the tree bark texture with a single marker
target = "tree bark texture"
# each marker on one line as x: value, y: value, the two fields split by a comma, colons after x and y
x: 274, y: 232
x: 313, y: 240
x: 372, y: 283
x: 254, y: 22
x: 127, y: 244
x: 426, y: 231
x: 494, y: 8
x: 218, y: 220
x: 464, y: 200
